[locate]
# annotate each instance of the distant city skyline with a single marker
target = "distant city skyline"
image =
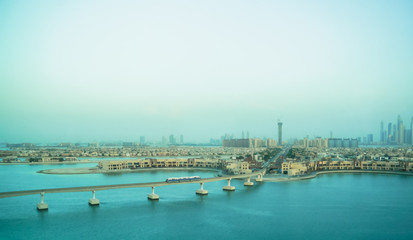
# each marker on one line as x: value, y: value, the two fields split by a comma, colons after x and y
x: 172, y: 139
x: 399, y: 134
x: 165, y: 140
x: 70, y: 73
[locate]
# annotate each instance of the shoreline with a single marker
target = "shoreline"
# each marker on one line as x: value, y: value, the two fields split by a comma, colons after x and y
x: 305, y: 177
x: 49, y: 163
x: 95, y: 170
x: 288, y: 179
x: 368, y: 171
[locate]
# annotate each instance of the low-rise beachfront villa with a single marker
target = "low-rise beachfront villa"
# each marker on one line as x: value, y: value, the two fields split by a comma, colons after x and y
x: 229, y: 166
x: 300, y: 168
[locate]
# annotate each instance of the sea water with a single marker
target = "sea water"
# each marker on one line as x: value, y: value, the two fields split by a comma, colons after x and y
x: 336, y: 206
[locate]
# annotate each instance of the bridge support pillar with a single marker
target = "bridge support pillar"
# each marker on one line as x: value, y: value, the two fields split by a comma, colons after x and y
x: 259, y: 178
x: 229, y: 187
x: 249, y: 183
x: 93, y: 201
x: 153, y: 196
x: 42, y: 205
x: 202, y: 191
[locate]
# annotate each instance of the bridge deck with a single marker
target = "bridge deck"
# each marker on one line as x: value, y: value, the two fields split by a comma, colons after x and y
x: 117, y: 186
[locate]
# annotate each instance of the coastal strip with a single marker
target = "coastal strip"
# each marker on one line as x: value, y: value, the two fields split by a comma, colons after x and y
x: 306, y: 177
x: 50, y: 163
x: 95, y: 170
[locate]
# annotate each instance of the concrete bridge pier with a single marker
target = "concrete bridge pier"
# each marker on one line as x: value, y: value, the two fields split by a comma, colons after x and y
x: 42, y: 205
x: 259, y: 178
x: 202, y: 191
x: 153, y: 196
x: 93, y: 201
x: 249, y: 183
x: 229, y: 187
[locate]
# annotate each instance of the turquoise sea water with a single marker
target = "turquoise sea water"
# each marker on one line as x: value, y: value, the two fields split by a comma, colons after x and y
x: 340, y: 206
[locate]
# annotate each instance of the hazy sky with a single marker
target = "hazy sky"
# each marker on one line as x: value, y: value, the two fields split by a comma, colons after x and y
x: 116, y: 70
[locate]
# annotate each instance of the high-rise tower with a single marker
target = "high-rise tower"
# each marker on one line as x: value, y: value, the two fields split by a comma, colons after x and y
x: 400, y: 130
x: 172, y: 139
x: 395, y: 134
x: 280, y: 133
x: 389, y: 133
x: 381, y: 132
x: 411, y: 131
x: 402, y: 134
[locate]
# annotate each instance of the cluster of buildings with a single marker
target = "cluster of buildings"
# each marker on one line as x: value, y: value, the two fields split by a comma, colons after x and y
x: 300, y: 168
x: 87, y: 152
x: 249, y: 143
x: 244, y: 143
x: 172, y: 140
x: 230, y: 160
x: 228, y: 136
x: 228, y: 140
x: 241, y: 163
x: 302, y: 160
x: 51, y: 159
x: 328, y: 143
x: 230, y: 166
x: 392, y: 134
x: 342, y: 143
x: 338, y: 154
x: 15, y: 159
x: 159, y: 163
x: 20, y: 145
x: 396, y: 133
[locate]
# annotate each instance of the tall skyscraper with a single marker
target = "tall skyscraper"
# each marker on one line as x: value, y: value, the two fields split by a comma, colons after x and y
x: 401, y: 134
x: 389, y: 133
x: 370, y: 139
x: 381, y: 132
x: 181, y: 139
x: 142, y: 140
x: 172, y: 139
x: 411, y: 131
x: 248, y: 132
x: 242, y: 135
x: 400, y: 131
x: 395, y: 134
x: 280, y: 133
x: 406, y: 136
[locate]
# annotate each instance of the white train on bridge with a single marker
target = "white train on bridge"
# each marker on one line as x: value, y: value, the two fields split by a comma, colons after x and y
x: 183, y: 179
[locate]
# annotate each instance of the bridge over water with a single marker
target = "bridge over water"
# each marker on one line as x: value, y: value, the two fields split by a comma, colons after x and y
x: 94, y: 201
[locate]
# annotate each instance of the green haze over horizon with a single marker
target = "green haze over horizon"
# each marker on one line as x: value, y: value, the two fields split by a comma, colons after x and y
x: 107, y: 71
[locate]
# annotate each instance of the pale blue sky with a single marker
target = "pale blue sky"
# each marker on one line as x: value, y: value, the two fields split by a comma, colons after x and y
x: 116, y: 70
